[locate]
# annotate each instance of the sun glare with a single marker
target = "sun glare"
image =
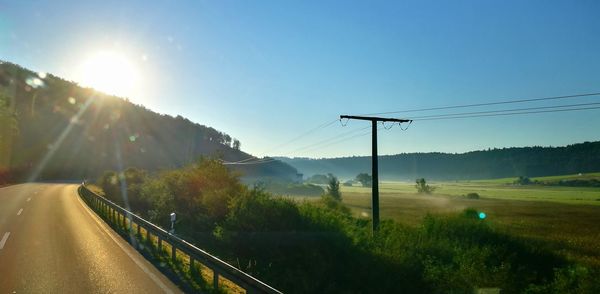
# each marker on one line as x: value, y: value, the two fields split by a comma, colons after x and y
x: 110, y: 72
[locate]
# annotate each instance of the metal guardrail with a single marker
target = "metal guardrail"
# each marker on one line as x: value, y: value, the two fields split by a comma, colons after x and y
x: 116, y: 214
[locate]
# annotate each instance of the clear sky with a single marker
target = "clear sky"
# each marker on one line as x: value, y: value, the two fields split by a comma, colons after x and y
x: 266, y: 71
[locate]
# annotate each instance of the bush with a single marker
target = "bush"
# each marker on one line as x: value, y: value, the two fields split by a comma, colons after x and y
x: 521, y: 180
x: 472, y: 196
x: 423, y: 187
x: 257, y: 211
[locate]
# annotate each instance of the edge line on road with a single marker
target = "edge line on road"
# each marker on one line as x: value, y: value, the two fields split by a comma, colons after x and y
x: 4, y: 238
x: 135, y: 260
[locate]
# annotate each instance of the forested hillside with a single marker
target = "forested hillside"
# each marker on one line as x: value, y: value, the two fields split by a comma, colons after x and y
x: 53, y: 129
x: 492, y: 163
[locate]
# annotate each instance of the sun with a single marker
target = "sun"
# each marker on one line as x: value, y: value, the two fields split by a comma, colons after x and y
x: 110, y: 72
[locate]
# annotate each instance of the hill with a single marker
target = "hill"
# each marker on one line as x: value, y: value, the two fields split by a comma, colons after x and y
x: 51, y: 128
x: 485, y: 164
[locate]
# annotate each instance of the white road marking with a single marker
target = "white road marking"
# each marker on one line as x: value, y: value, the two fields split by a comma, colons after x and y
x: 20, y: 210
x: 152, y: 276
x: 3, y: 241
x: 28, y: 199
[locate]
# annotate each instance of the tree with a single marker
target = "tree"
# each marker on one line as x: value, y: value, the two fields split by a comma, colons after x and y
x: 8, y: 131
x: 365, y: 179
x: 521, y: 180
x: 226, y: 139
x: 333, y: 188
x: 422, y: 187
x: 318, y: 179
x: 236, y: 144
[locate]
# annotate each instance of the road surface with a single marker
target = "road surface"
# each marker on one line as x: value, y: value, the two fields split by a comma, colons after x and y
x: 51, y: 242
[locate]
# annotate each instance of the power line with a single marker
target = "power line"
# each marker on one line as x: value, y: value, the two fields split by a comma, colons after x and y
x: 254, y: 160
x: 314, y: 146
x: 343, y: 137
x: 347, y: 139
x: 260, y: 161
x: 241, y: 161
x: 310, y: 146
x: 321, y: 126
x: 504, y: 110
x: 490, y: 103
x: 513, y: 113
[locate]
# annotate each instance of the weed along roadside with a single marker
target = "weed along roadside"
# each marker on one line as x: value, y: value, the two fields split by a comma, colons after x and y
x: 191, y: 267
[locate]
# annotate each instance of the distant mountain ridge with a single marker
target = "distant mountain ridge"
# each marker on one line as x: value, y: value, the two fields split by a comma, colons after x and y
x: 60, y: 130
x: 492, y: 163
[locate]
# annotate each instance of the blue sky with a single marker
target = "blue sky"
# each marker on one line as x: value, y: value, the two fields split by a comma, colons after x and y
x: 267, y: 71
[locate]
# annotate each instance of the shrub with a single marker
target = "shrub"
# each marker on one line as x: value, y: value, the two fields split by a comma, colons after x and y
x: 521, y: 180
x: 472, y: 195
x: 423, y: 187
x: 333, y: 188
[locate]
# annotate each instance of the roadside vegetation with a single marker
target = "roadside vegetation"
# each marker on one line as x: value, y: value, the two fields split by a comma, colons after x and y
x: 322, y: 247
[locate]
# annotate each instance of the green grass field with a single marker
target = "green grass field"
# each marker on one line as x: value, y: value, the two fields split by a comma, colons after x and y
x: 568, y: 218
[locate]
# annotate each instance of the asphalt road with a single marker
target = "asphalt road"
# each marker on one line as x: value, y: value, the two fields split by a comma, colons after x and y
x: 51, y: 242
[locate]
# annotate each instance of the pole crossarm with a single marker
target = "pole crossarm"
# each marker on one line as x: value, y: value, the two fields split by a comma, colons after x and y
x: 373, y: 118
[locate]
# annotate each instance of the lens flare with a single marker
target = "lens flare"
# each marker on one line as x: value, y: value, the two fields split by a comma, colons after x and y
x: 110, y: 72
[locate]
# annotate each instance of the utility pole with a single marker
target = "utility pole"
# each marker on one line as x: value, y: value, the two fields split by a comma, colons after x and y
x: 375, y: 164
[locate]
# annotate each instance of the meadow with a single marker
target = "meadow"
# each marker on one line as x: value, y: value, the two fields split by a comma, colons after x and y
x: 566, y: 218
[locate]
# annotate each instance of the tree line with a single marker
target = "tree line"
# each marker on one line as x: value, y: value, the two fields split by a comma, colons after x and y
x: 492, y: 163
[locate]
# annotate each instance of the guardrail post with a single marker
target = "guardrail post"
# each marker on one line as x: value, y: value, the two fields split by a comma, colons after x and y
x: 192, y: 269
x: 215, y: 279
x: 173, y: 253
x: 139, y: 230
